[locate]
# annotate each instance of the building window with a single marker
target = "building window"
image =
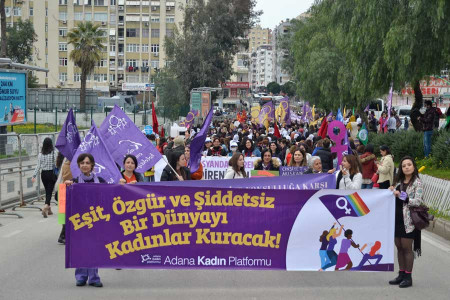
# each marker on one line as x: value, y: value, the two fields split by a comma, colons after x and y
x: 169, y: 32
x: 132, y: 32
x: 145, y: 32
x: 155, y: 48
x: 112, y: 2
x: 112, y: 77
x: 112, y: 19
x: 99, y: 2
x: 46, y: 12
x: 132, y: 63
x: 78, y: 16
x: 155, y: 19
x: 100, y: 17
x: 31, y: 11
x: 144, y: 47
x: 88, y: 16
x: 46, y: 43
x: 17, y: 11
x: 132, y: 78
x: 62, y: 47
x: 77, y: 77
x: 46, y: 27
x: 155, y: 33
x: 62, y: 31
x: 102, y: 63
x: 132, y: 47
x: 63, y: 61
x: 62, y: 2
x: 145, y: 63
x: 63, y: 16
x: 155, y: 64
x: 170, y: 19
x: 62, y: 77
x: 112, y: 47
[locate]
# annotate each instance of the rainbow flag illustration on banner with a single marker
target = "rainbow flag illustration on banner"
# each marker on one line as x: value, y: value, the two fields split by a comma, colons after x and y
x: 345, y: 205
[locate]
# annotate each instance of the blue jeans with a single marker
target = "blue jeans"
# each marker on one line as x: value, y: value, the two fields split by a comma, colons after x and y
x: 427, y: 142
x: 367, y: 186
x: 324, y: 259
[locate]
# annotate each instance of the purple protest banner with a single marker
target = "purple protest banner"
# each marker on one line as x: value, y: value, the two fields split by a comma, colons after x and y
x: 122, y: 137
x: 190, y: 118
x: 69, y: 137
x: 198, y: 142
x: 267, y: 112
x: 292, y: 171
x: 146, y: 226
x: 105, y: 166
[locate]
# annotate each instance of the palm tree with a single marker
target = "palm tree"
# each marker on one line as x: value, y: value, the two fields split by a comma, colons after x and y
x: 87, y: 40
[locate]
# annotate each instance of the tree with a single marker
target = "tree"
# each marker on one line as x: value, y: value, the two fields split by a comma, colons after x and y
x: 274, y: 88
x: 20, y: 40
x: 202, y: 51
x: 288, y: 88
x: 3, y: 46
x: 33, y: 81
x: 170, y: 91
x: 87, y: 40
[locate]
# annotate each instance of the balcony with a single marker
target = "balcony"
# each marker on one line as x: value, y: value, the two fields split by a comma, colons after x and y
x: 112, y: 53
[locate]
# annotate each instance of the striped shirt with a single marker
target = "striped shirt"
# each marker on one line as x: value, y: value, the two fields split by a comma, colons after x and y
x: 46, y: 162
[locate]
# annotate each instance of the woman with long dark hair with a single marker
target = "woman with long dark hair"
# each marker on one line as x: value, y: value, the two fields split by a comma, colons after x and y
x: 298, y: 159
x: 250, y: 150
x: 385, y: 168
x: 236, y: 168
x: 177, y: 161
x: 86, y: 163
x: 46, y: 163
x: 349, y: 177
x: 408, y: 191
x: 129, y: 175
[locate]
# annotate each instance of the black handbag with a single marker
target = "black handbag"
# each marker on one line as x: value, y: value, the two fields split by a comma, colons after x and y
x: 420, y: 216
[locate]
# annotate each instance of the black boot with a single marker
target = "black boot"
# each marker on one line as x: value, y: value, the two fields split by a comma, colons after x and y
x: 401, y: 275
x: 407, y: 281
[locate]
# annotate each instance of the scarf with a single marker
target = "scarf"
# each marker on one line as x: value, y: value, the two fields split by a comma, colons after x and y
x: 83, y: 178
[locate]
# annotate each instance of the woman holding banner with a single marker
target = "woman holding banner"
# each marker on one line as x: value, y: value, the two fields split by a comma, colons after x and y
x: 299, y: 159
x: 177, y: 161
x: 86, y: 164
x: 46, y: 163
x: 236, y: 168
x: 129, y: 174
x: 409, y: 193
x: 349, y: 177
x: 266, y: 162
x: 315, y: 165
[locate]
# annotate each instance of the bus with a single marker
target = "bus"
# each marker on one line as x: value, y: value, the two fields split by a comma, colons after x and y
x: 377, y: 106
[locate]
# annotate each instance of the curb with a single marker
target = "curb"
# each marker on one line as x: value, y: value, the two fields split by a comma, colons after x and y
x: 440, y: 227
x: 14, y: 159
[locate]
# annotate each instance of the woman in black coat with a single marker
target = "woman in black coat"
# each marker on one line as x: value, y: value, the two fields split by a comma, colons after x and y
x: 178, y: 162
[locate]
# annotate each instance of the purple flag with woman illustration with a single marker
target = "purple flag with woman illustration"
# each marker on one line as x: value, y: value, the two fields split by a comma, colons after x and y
x: 69, y: 137
x: 190, y: 118
x: 122, y: 137
x: 105, y: 166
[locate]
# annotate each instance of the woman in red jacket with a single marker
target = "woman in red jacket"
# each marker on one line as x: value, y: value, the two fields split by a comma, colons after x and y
x: 369, y: 167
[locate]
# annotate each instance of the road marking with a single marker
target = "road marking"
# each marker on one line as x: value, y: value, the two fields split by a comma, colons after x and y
x: 436, y: 243
x: 12, y: 233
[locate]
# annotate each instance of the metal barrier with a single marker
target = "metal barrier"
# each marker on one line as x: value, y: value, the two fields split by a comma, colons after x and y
x: 436, y: 193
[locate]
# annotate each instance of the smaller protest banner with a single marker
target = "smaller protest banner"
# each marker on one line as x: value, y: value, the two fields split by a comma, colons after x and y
x: 291, y: 171
x: 264, y: 173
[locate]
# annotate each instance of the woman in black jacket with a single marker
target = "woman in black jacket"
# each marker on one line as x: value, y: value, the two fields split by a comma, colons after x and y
x: 178, y: 162
x: 326, y: 156
x: 129, y: 175
x: 267, y: 162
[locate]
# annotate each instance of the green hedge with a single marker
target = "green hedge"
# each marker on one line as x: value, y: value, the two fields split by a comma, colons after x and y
x: 410, y: 143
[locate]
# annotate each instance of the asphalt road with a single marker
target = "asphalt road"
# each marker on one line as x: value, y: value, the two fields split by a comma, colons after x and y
x: 32, y: 267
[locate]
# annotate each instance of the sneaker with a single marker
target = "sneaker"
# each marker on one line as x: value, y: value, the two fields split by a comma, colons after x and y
x: 81, y: 283
x: 62, y: 240
x: 96, y: 284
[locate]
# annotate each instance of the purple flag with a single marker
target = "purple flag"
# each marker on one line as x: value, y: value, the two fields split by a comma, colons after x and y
x: 122, y: 137
x: 69, y: 137
x: 330, y: 116
x: 286, y: 107
x: 345, y: 205
x: 367, y: 108
x: 198, y: 143
x: 389, y: 105
x: 190, y: 118
x: 306, y: 113
x: 266, y: 112
x: 105, y: 166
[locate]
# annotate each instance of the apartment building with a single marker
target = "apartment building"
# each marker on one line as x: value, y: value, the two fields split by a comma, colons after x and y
x: 261, y: 67
x: 280, y: 75
x: 259, y: 36
x: 134, y: 34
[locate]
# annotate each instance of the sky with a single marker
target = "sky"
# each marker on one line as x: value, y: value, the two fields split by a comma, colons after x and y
x: 276, y: 10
